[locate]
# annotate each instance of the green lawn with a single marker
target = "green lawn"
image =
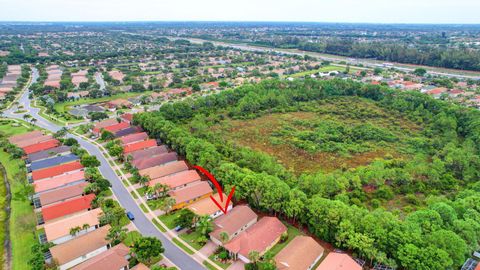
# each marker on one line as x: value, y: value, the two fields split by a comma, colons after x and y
x: 292, y: 232
x: 169, y: 219
x: 209, y: 266
x: 144, y: 208
x: 160, y: 227
x: 131, y: 238
x: 219, y: 263
x: 191, y: 238
x: 22, y: 219
x: 182, y: 246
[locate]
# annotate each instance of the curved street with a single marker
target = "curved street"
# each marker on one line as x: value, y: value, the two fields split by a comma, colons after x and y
x: 144, y: 225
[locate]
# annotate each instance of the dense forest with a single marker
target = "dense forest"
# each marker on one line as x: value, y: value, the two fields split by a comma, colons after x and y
x: 437, y: 233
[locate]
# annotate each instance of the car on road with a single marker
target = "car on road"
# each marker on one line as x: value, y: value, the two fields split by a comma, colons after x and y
x: 130, y: 216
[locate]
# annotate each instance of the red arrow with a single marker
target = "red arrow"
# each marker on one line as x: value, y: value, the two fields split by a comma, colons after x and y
x: 219, y: 189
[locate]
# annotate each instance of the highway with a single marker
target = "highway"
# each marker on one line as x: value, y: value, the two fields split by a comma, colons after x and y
x: 370, y: 63
x: 144, y: 225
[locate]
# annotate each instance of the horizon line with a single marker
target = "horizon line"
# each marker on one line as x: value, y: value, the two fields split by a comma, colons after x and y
x: 226, y: 21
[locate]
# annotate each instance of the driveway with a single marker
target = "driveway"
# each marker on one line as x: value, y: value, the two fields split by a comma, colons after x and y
x: 208, y: 249
x: 238, y: 265
x: 144, y: 225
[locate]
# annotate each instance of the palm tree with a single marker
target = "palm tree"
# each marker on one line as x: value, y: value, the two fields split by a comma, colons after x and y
x: 224, y: 237
x: 204, y: 225
x: 143, y: 180
x: 254, y: 256
x: 75, y: 230
x: 85, y: 226
x: 33, y: 121
x: 26, y: 117
x: 167, y: 205
x: 161, y: 189
x: 116, y: 234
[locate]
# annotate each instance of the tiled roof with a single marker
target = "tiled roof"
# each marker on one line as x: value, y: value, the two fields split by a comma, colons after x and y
x: 154, y: 161
x: 338, y: 261
x: 177, y: 179
x: 300, y: 253
x: 80, y: 246
x: 41, y: 146
x: 60, y: 228
x: 191, y: 192
x: 114, y: 258
x: 139, y: 146
x: 258, y: 238
x: 67, y: 207
x: 164, y: 170
x: 56, y: 170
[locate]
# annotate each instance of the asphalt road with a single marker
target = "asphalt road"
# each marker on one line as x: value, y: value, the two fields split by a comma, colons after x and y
x: 144, y: 225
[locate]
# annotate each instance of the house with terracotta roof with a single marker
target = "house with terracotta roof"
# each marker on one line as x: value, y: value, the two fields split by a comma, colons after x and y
x: 164, y: 170
x: 303, y: 252
x: 34, y: 140
x: 26, y: 136
x: 436, y: 92
x: 260, y: 237
x: 132, y: 138
x: 56, y: 170
x: 338, y: 261
x: 81, y: 249
x: 18, y: 138
x: 233, y: 223
x: 58, y: 232
x: 132, y: 147
x: 66, y: 208
x: 127, y: 117
x: 115, y: 258
x: 118, y: 103
x: 150, y: 152
x: 177, y: 180
x: 140, y: 266
x: 112, y: 128
x: 149, y: 162
x: 105, y: 123
x: 190, y: 194
x: 59, y: 195
x: 41, y: 146
x: 206, y: 207
x: 59, y: 181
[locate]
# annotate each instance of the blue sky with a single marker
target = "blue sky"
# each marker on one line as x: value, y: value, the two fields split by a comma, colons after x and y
x: 373, y: 11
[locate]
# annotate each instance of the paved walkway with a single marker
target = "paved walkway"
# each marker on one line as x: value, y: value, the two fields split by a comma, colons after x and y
x: 208, y: 249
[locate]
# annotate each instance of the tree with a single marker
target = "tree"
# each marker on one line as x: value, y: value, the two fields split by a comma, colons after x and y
x: 420, y: 72
x: 61, y: 133
x: 89, y: 161
x: 167, y: 205
x: 254, y: 256
x: 146, y: 249
x: 224, y: 237
x: 106, y: 135
x: 204, y: 225
x: 116, y: 234
x: 185, y: 219
x: 75, y: 230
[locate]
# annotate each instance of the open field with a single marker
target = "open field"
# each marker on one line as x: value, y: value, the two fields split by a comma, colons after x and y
x: 326, y: 136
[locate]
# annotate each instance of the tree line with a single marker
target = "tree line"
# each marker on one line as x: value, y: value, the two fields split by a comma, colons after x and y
x: 438, y: 235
